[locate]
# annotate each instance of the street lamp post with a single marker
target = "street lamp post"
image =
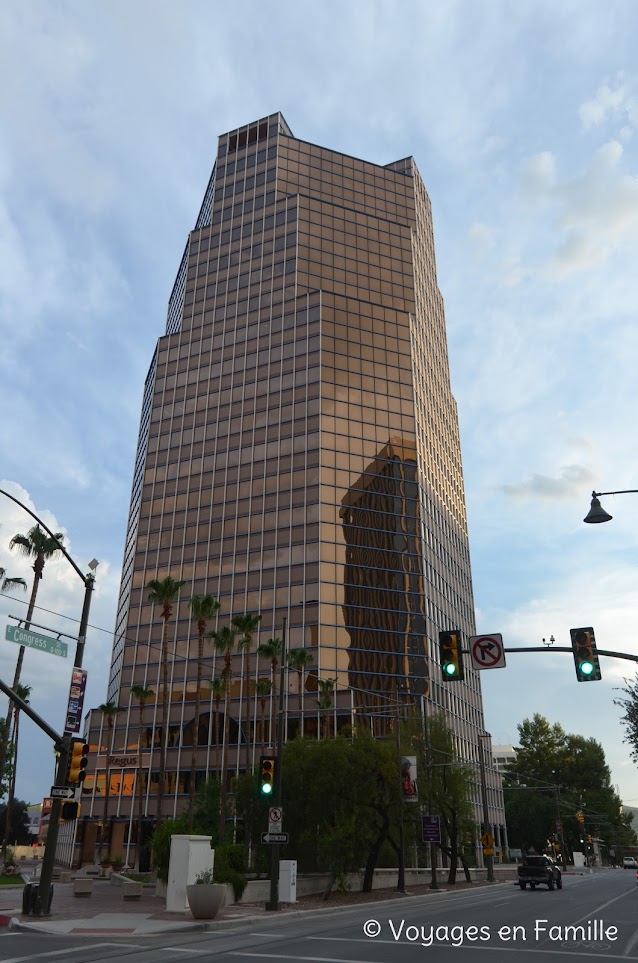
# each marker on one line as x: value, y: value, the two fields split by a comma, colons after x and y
x: 597, y: 513
x: 48, y: 860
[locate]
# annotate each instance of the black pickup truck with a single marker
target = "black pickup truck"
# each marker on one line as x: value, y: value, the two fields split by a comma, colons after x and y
x: 539, y: 871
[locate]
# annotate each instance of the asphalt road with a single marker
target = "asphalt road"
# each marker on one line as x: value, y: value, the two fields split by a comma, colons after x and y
x: 593, y: 916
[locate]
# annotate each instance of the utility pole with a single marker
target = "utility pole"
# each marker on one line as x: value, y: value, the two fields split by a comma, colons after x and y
x: 401, y: 879
x: 489, y: 859
x: 273, y: 901
x: 428, y: 755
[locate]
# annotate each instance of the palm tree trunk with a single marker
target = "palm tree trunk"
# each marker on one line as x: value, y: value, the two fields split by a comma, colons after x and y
x: 217, y: 700
x: 299, y: 675
x: 12, y: 787
x: 16, y: 678
x: 139, y: 791
x: 222, y: 794
x: 164, y: 734
x: 191, y: 793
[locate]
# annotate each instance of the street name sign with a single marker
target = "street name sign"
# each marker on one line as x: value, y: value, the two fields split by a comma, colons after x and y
x: 32, y: 640
x: 274, y: 837
x: 62, y: 792
x: 487, y: 651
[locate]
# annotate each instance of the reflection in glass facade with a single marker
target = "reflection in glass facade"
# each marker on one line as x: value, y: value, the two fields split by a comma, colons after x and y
x: 299, y: 458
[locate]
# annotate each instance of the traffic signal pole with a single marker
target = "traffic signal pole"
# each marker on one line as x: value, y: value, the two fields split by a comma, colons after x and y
x: 43, y: 899
x: 273, y: 902
x: 63, y: 745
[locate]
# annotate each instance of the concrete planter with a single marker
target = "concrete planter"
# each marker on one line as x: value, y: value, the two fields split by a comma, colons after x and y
x: 205, y: 899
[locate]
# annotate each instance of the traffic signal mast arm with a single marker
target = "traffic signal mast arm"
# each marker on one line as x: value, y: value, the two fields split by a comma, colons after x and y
x: 58, y: 740
x: 565, y: 648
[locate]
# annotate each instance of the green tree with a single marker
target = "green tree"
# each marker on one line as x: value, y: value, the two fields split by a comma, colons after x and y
x: 555, y: 775
x: 224, y: 641
x: 326, y: 689
x: 263, y: 688
x: 272, y: 650
x: 19, y: 828
x: 203, y: 609
x: 41, y: 547
x: 452, y: 785
x: 164, y: 593
x: 342, y: 801
x: 217, y: 688
x: 628, y: 702
x: 24, y: 691
x: 143, y: 694
x: 7, y: 583
x: 109, y: 713
x: 247, y: 624
x: 299, y: 660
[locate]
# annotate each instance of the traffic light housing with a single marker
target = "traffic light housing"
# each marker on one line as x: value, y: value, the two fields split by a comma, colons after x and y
x: 267, y: 775
x: 585, y: 655
x: 451, y: 655
x: 78, y: 761
x: 70, y: 810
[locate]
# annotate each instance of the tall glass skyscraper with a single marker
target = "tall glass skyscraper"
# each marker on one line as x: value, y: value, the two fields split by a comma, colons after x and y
x: 298, y: 458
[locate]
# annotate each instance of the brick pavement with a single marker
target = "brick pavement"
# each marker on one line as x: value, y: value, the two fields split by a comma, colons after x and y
x: 106, y: 911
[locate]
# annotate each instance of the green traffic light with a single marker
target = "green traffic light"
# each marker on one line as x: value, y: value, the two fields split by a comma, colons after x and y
x: 266, y: 789
x: 586, y: 668
x: 449, y: 668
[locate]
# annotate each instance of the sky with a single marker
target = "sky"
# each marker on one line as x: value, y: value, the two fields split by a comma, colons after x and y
x: 523, y: 120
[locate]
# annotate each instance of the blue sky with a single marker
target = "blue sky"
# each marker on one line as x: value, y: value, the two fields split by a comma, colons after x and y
x: 523, y: 120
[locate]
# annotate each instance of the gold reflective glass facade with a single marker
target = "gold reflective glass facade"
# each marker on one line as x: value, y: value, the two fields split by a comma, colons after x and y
x: 299, y: 458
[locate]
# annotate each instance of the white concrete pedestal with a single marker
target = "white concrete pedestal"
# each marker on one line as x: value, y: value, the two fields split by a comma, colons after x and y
x: 190, y: 855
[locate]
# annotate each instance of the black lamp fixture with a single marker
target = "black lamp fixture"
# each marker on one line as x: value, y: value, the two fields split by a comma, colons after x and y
x: 597, y: 513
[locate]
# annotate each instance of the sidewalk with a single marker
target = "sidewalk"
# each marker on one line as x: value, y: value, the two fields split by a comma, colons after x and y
x: 106, y: 912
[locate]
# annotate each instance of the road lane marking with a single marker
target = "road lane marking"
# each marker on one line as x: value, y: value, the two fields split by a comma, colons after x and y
x: 577, y: 952
x: 50, y: 953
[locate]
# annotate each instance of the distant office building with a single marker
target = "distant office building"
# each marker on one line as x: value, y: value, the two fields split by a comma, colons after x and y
x: 298, y: 457
x: 503, y: 756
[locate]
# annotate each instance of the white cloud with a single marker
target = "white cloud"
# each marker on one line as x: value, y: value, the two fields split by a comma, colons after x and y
x: 608, y: 102
x: 569, y: 483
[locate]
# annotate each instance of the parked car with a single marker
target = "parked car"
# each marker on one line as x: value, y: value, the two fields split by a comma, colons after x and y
x: 629, y: 862
x: 539, y: 871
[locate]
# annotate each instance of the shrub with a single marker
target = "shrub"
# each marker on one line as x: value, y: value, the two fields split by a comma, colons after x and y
x: 236, y: 880
x: 230, y: 866
x: 161, y: 843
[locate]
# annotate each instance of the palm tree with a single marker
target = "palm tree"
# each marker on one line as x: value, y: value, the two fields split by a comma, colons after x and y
x: 143, y: 694
x: 271, y: 650
x: 263, y: 688
x: 224, y: 641
x: 248, y: 625
x: 299, y: 659
x: 7, y: 583
x: 203, y: 608
x: 39, y: 546
x: 217, y: 688
x: 24, y: 691
x: 164, y: 593
x: 109, y: 711
x: 326, y: 688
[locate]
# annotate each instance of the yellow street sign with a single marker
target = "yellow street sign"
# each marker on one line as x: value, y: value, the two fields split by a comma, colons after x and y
x: 488, y: 851
x: 487, y: 839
